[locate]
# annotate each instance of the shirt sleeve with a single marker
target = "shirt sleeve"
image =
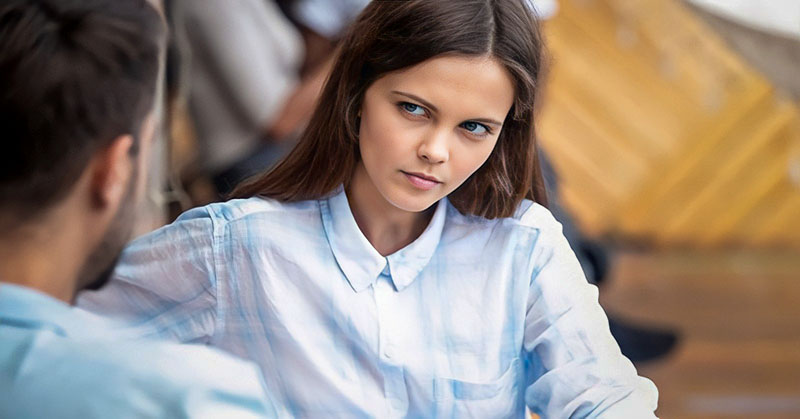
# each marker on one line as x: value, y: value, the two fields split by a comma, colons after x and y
x: 103, y: 378
x: 165, y: 284
x: 328, y: 18
x: 211, y: 384
x: 574, y: 367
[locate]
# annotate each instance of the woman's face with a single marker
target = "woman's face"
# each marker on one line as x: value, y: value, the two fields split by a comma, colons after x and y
x: 424, y: 130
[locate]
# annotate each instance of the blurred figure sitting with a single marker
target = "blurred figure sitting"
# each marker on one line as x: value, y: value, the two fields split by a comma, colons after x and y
x: 77, y: 82
x: 245, y: 95
x: 254, y: 69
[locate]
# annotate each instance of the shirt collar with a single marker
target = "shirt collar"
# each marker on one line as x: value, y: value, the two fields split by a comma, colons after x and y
x: 360, y: 262
x: 27, y: 307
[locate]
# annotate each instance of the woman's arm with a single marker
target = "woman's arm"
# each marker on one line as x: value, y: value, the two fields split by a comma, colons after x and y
x: 574, y: 367
x: 164, y: 285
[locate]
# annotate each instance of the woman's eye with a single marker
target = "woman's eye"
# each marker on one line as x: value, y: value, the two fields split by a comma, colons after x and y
x: 413, y: 109
x: 475, y: 128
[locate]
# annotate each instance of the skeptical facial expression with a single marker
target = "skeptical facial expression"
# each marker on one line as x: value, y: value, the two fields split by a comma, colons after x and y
x: 425, y: 129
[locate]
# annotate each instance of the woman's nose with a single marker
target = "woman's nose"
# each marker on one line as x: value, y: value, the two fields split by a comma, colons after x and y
x: 434, y: 148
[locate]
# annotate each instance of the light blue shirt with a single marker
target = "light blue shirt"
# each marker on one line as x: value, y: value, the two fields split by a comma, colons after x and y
x: 476, y: 318
x: 55, y: 362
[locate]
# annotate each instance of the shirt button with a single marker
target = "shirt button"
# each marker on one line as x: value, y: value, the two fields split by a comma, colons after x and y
x: 397, y: 404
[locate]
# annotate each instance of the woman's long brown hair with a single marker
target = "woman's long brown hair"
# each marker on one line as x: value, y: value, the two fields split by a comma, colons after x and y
x: 391, y: 35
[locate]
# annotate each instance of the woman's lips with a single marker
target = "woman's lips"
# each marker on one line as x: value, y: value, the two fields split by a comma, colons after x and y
x: 421, y: 181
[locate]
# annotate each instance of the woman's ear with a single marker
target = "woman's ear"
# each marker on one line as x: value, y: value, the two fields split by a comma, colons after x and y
x: 358, y: 124
x: 112, y: 168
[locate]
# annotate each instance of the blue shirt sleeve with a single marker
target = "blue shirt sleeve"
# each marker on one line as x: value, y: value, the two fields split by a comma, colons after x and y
x: 54, y: 376
x: 574, y: 367
x: 165, y: 284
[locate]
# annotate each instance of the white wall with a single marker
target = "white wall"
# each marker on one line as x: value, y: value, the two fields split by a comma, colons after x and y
x: 777, y: 16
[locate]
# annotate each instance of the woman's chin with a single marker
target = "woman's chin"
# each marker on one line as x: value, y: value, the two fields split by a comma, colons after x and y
x: 412, y: 202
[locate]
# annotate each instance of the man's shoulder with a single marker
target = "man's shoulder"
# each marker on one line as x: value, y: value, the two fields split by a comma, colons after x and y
x: 51, y: 375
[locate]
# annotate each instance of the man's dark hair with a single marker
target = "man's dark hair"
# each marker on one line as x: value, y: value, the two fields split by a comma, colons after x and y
x: 74, y: 75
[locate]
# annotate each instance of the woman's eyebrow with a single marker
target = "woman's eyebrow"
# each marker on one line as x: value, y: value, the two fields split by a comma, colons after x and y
x: 434, y: 109
x: 488, y: 121
x: 417, y: 98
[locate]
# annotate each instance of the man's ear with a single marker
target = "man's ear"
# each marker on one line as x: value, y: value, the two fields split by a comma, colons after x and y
x: 112, y: 168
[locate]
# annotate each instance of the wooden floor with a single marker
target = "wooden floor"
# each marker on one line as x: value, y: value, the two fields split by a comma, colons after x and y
x: 739, y: 312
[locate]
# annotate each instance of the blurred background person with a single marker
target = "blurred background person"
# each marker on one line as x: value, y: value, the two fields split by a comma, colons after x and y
x: 253, y: 71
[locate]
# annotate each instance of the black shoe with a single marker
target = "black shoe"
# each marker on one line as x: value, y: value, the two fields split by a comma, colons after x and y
x: 642, y: 344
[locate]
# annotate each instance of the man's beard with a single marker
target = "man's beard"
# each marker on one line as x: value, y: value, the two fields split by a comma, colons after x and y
x: 100, y: 264
x: 102, y: 278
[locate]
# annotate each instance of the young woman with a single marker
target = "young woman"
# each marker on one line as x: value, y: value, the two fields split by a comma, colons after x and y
x: 399, y: 261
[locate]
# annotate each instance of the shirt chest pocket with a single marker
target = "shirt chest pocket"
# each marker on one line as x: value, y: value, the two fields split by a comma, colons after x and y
x: 499, y: 398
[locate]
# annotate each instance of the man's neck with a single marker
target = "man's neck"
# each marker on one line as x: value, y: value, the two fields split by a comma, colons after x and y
x: 42, y: 256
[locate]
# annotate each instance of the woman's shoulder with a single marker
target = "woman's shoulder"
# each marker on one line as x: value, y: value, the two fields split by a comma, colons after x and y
x: 251, y: 209
x: 532, y: 214
x: 531, y: 230
x: 529, y: 215
x: 241, y: 208
x: 201, y: 223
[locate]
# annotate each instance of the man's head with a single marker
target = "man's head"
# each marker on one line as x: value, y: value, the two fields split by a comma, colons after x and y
x: 77, y: 85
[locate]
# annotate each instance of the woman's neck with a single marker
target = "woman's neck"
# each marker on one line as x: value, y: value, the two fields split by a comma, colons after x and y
x: 385, y: 226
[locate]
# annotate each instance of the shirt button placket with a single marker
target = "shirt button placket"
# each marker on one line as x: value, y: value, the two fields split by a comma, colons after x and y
x: 393, y: 375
